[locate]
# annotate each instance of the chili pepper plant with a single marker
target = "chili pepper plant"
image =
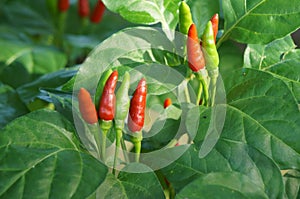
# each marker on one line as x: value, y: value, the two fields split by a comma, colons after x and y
x: 149, y: 99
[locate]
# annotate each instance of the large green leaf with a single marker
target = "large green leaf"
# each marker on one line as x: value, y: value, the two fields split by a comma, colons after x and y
x: 279, y: 58
x: 41, y: 158
x: 222, y: 185
x: 230, y: 157
x: 147, y: 12
x: 263, y: 113
x: 259, y: 21
x: 10, y: 105
x: 131, y: 185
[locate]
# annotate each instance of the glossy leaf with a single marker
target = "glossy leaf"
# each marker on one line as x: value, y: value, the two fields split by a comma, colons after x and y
x: 147, y: 12
x: 292, y: 184
x: 231, y: 157
x: 131, y: 185
x: 31, y: 90
x: 44, y: 159
x: 259, y: 21
x: 226, y: 185
x: 11, y: 106
x: 260, y: 108
x: 280, y: 58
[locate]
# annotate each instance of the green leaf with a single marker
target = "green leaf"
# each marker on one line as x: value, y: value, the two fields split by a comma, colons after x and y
x: 292, y: 184
x: 139, y: 42
x: 10, y: 105
x: 27, y: 17
x: 259, y: 21
x: 231, y: 157
x: 30, y: 91
x: 35, y: 59
x: 147, y: 12
x: 263, y: 113
x: 222, y: 185
x: 41, y: 158
x: 131, y: 185
x: 280, y: 58
x: 202, y: 12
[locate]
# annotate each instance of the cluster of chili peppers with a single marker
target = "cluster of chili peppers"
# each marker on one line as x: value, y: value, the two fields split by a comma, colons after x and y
x: 202, y: 55
x: 84, y: 9
x: 113, y: 110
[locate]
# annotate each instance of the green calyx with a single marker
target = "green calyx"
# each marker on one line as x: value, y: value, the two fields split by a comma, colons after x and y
x: 209, y: 48
x: 122, y: 102
x: 185, y: 17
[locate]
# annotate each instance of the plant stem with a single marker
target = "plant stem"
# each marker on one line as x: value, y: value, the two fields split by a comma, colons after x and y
x: 124, y: 149
x: 105, y: 127
x: 213, y: 85
x: 118, y: 144
x: 137, y: 142
x: 204, y: 87
x: 199, y: 94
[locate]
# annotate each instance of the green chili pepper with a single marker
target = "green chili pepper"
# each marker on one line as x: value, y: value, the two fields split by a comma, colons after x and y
x: 100, y: 86
x: 209, y: 48
x: 185, y: 18
x: 212, y: 60
x: 122, y: 102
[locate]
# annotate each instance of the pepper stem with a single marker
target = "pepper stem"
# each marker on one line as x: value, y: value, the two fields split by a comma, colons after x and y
x: 213, y: 85
x: 105, y: 127
x: 204, y: 89
x: 118, y: 144
x: 137, y: 142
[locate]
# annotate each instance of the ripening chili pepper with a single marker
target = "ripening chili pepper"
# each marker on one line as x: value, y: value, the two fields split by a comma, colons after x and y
x: 63, y: 5
x: 167, y: 102
x: 122, y: 102
x: 137, y: 107
x: 83, y: 8
x: 215, y: 25
x: 185, y: 18
x: 108, y: 98
x: 87, y: 107
x: 104, y: 77
x: 194, y: 52
x: 209, y: 48
x: 98, y: 12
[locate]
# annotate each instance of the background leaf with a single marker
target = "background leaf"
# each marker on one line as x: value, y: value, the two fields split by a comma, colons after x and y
x: 11, y: 106
x: 259, y: 21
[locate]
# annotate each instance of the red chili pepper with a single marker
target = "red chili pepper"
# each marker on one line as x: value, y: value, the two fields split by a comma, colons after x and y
x: 98, y: 12
x: 108, y: 98
x: 137, y: 107
x: 83, y: 8
x: 87, y: 107
x: 167, y: 102
x: 63, y: 5
x: 215, y: 23
x: 195, y: 55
